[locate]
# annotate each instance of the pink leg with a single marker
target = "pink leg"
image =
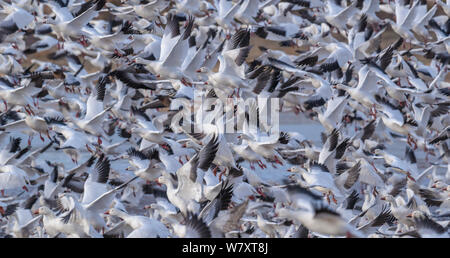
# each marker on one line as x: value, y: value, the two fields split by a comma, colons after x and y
x: 221, y: 174
x: 89, y: 149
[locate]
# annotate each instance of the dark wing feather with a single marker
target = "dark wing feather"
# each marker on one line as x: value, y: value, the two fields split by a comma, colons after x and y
x: 243, y: 54
x: 352, y: 199
x: 102, y: 169
x: 10, y: 209
x: 329, y: 67
x: 172, y: 25
x: 353, y: 175
x: 130, y: 80
x: 101, y: 88
x: 208, y: 153
x: 442, y: 109
x: 398, y: 187
x: 333, y: 139
x: 189, y: 27
x: 135, y: 153
x: 15, y: 144
x: 429, y: 197
x: 315, y: 101
x: 425, y: 222
x: 409, y: 153
x: 340, y: 149
x: 369, y: 129
x: 194, y: 223
x: 384, y: 216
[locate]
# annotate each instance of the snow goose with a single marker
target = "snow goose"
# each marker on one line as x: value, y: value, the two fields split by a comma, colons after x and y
x: 194, y: 7
x: 318, y: 177
x: 264, y: 146
x: 247, y: 11
x: 96, y: 200
x: 18, y: 96
x: 35, y: 123
x: 190, y: 176
x: 244, y: 150
x: 144, y: 164
x: 74, y: 141
x: 399, y: 123
x: 399, y: 210
x: 220, y: 202
x: 193, y: 227
x: 383, y: 217
x: 338, y: 16
x: 419, y: 27
x: 332, y: 116
x: 404, y: 21
x: 69, y: 26
x: 397, y: 164
x: 226, y: 12
x: 268, y: 227
x: 332, y: 151
x: 320, y: 219
x: 174, y: 48
x: 364, y: 92
x: 95, y: 113
x: 425, y: 227
x: 231, y: 73
x: 24, y: 224
x: 53, y: 225
x: 143, y: 227
x: 12, y: 178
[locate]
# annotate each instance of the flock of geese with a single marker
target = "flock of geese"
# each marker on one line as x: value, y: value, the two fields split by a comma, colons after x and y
x: 101, y: 82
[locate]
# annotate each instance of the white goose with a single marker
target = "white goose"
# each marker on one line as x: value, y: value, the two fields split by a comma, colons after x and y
x: 174, y: 48
x: 143, y: 227
x: 35, y: 123
x: 318, y: 177
x: 72, y: 27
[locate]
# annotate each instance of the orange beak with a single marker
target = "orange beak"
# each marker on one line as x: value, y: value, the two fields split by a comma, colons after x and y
x: 36, y: 212
x: 409, y: 215
x: 383, y: 198
x: 107, y: 213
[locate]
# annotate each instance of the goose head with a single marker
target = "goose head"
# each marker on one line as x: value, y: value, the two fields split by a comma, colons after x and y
x: 416, y: 215
x: 191, y: 145
x: 389, y: 198
x: 203, y: 69
x: 294, y: 169
x: 115, y: 212
x: 43, y: 210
